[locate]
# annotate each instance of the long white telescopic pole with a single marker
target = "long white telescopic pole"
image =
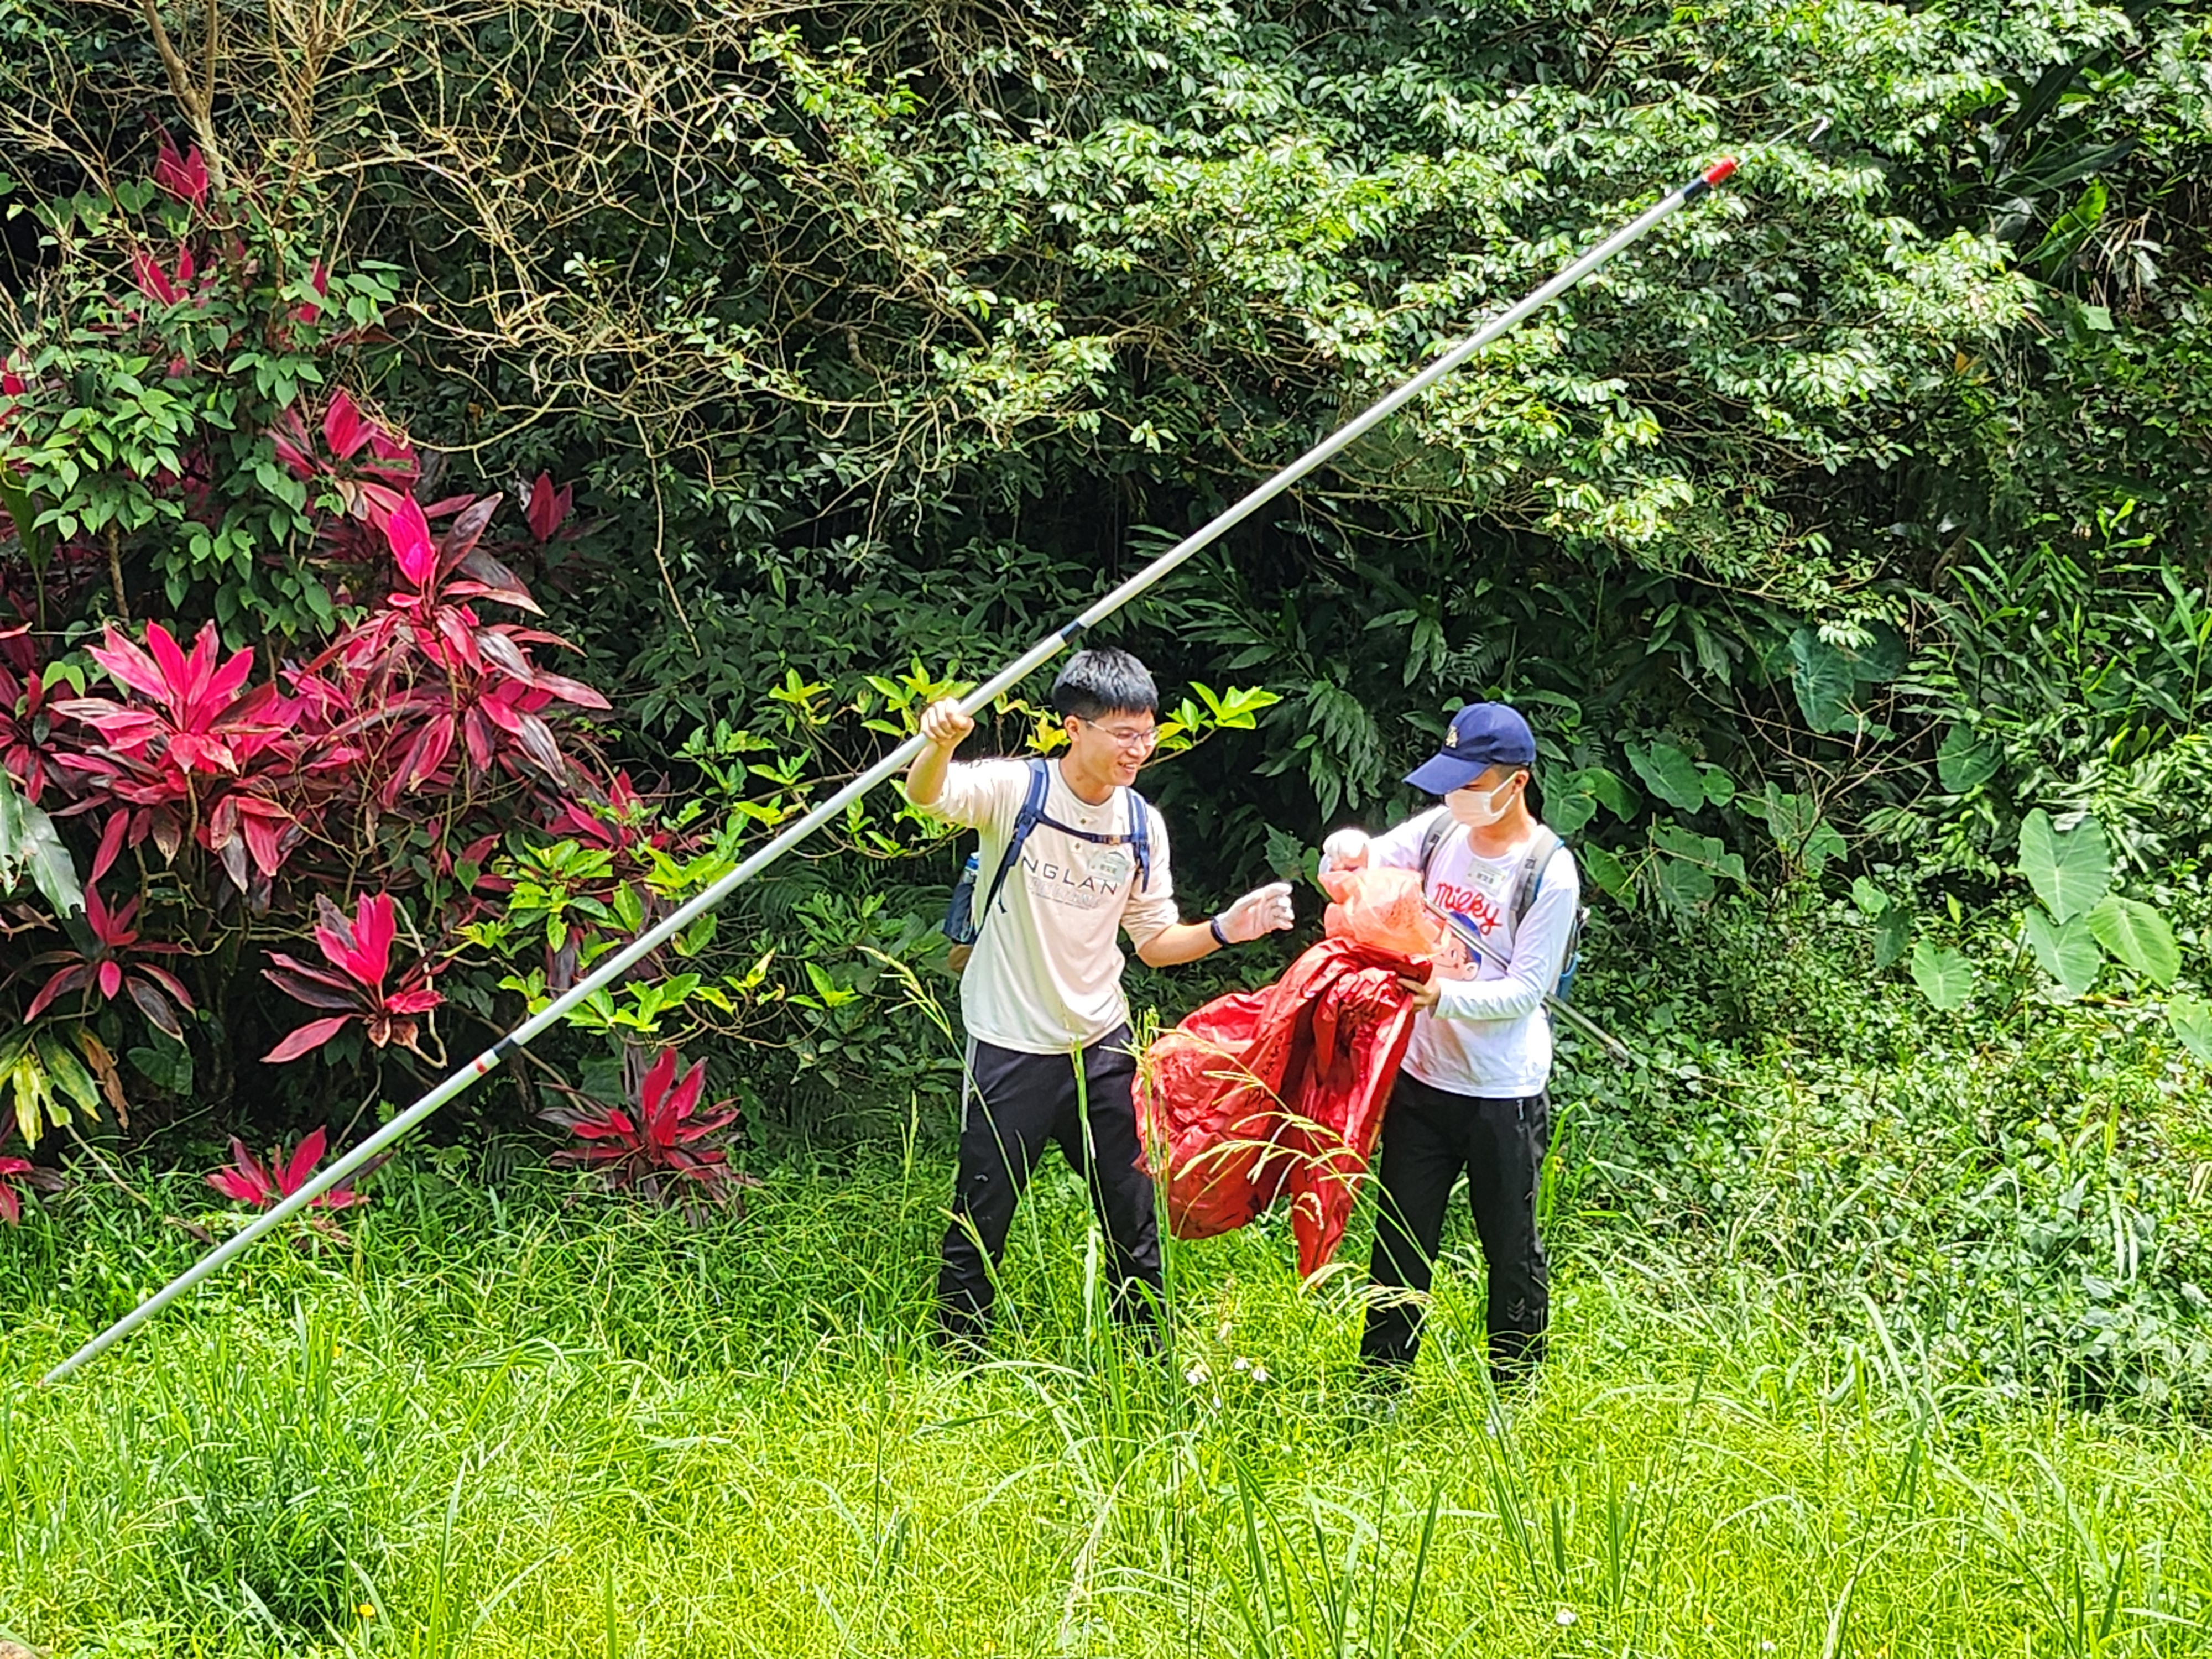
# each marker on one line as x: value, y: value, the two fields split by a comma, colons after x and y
x: 615, y: 966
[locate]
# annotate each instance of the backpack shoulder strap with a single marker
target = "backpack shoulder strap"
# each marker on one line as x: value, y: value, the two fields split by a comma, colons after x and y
x: 1140, y: 837
x: 1433, y: 837
x: 1031, y: 814
x: 1530, y: 880
x: 1033, y: 802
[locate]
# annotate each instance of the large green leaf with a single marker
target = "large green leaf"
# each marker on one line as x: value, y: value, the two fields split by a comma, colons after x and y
x: 1606, y: 869
x: 29, y: 846
x: 1668, y: 774
x: 1945, y: 977
x: 2138, y: 936
x: 2191, y: 1019
x: 1824, y: 680
x: 1569, y: 811
x: 1892, y: 932
x: 69, y: 1074
x: 1615, y: 796
x: 2066, y: 951
x: 167, y: 1067
x: 1709, y: 852
x: 23, y: 514
x: 1795, y: 821
x: 1964, y: 760
x: 1882, y: 657
x: 2070, y: 869
x: 1682, y: 886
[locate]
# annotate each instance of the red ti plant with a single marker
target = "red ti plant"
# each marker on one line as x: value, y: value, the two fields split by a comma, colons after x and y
x: 179, y: 749
x: 549, y: 508
x: 25, y: 754
x: 264, y: 1186
x: 198, y: 720
x: 114, y: 962
x: 659, y: 1142
x: 11, y: 1200
x: 625, y: 824
x: 369, y: 486
x: 436, y: 684
x: 185, y: 177
x: 360, y: 952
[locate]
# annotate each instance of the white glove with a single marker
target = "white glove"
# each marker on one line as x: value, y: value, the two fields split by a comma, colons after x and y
x: 1265, y: 910
x: 1344, y: 849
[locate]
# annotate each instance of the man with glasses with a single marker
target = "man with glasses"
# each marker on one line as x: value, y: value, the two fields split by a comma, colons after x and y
x: 1049, y: 1053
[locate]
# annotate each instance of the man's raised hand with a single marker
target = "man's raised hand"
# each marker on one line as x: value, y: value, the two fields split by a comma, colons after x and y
x: 1265, y: 910
x: 943, y: 725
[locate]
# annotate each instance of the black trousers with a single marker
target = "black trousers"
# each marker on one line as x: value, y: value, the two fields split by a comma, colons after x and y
x: 1429, y: 1138
x: 1021, y: 1102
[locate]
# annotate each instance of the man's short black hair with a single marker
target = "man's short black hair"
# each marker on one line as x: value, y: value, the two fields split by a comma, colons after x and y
x: 1104, y: 681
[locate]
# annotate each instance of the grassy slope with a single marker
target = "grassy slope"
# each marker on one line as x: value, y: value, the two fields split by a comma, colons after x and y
x: 544, y: 1430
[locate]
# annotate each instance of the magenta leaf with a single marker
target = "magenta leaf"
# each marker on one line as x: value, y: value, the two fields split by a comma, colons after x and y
x: 308, y: 1154
x: 185, y: 177
x: 308, y: 1038
x: 408, y: 533
x: 549, y: 507
x: 343, y: 429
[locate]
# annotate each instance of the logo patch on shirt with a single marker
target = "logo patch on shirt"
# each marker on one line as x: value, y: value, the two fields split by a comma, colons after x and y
x: 1108, y: 865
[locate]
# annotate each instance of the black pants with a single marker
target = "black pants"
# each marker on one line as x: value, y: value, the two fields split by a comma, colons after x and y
x: 1021, y: 1102
x: 1429, y: 1137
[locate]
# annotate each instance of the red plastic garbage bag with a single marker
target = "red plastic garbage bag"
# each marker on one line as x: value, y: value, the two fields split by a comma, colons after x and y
x: 1384, y: 908
x: 1263, y: 1092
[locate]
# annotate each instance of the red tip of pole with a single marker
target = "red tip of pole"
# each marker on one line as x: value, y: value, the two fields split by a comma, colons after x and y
x: 1720, y: 170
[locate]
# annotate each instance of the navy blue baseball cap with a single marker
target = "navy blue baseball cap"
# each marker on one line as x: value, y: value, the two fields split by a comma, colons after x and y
x: 1482, y: 735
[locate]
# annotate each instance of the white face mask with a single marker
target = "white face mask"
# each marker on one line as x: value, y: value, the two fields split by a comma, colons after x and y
x: 1474, y: 809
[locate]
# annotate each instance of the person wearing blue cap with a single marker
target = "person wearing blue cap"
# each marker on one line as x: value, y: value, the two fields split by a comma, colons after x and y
x: 1471, y: 1096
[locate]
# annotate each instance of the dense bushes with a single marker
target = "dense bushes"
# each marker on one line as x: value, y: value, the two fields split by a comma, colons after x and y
x: 798, y: 367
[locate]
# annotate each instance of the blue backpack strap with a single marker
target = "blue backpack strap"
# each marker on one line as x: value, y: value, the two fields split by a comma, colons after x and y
x: 1541, y: 850
x: 1140, y: 838
x: 1024, y: 821
x: 1530, y: 881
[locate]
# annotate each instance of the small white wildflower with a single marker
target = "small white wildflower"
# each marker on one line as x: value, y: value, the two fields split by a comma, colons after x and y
x: 1195, y: 1375
x: 1241, y: 1363
x: 1767, y: 1647
x: 1217, y: 1402
x: 1259, y: 1374
x: 1565, y: 1617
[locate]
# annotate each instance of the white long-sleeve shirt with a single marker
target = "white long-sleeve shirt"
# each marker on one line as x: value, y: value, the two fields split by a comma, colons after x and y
x: 1488, y: 1036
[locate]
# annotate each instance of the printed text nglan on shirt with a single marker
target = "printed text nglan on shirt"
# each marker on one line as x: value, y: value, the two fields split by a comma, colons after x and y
x: 1047, y: 972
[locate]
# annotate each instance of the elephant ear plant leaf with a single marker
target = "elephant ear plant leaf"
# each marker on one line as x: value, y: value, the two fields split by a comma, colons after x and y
x: 2138, y: 937
x: 2190, y: 1017
x: 2066, y: 951
x: 1944, y: 975
x: 2070, y: 870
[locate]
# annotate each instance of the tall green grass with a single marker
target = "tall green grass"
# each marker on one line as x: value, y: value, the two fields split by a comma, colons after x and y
x: 501, y: 1426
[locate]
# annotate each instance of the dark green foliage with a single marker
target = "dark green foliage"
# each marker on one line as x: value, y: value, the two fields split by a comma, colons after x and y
x: 1855, y: 518
x: 2019, y: 1202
